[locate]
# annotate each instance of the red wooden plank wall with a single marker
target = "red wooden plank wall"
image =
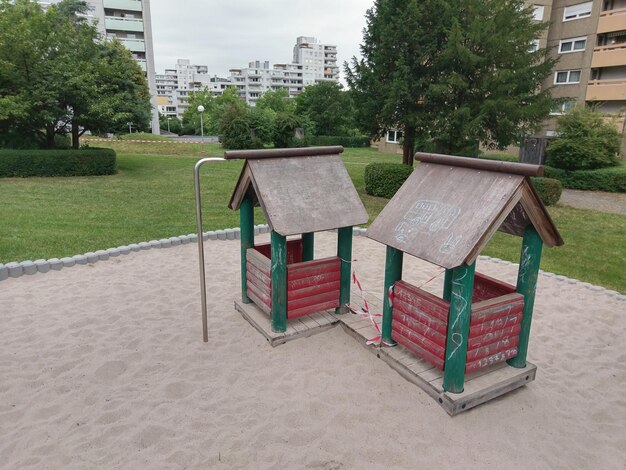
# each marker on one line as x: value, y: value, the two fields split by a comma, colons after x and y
x: 294, y: 250
x: 420, y: 323
x: 313, y: 286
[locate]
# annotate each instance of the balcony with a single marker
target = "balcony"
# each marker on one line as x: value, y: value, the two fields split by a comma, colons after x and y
x: 128, y: 5
x: 123, y: 24
x: 612, y: 20
x: 134, y: 45
x: 606, y: 90
x: 143, y: 64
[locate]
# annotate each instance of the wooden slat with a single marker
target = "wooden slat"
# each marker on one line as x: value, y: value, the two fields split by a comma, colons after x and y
x: 420, y: 316
x: 316, y: 299
x: 422, y: 300
x: 313, y: 268
x: 420, y: 340
x: 296, y: 294
x: 486, y: 287
x: 487, y: 338
x: 312, y: 309
x: 261, y: 277
x: 499, y: 307
x: 259, y: 303
x: 258, y: 260
x: 418, y: 350
x: 259, y: 294
x: 488, y: 361
x: 494, y: 325
x: 259, y: 284
x: 322, y: 278
x: 305, y: 265
x: 418, y: 327
x: 493, y: 348
x: 541, y: 220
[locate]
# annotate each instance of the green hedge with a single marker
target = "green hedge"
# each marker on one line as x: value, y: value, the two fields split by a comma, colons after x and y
x: 611, y: 180
x: 549, y: 190
x: 384, y: 179
x: 84, y: 162
x: 345, y: 141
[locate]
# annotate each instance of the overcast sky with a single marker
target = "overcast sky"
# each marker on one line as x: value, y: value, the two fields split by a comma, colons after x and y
x: 229, y: 34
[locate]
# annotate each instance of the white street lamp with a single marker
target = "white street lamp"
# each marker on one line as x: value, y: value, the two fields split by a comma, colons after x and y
x: 201, y: 111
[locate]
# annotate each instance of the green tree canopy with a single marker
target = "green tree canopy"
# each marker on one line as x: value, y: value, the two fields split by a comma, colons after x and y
x: 454, y: 73
x: 57, y: 74
x: 328, y: 107
x: 214, y: 107
x: 278, y: 101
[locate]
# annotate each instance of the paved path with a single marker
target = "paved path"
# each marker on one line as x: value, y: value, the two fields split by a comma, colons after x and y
x: 596, y: 200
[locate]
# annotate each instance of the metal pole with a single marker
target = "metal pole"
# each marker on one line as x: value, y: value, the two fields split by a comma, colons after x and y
x: 201, y: 126
x: 196, y: 181
x: 168, y: 124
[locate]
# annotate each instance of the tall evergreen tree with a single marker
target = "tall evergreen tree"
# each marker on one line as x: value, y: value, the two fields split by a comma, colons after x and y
x: 451, y: 73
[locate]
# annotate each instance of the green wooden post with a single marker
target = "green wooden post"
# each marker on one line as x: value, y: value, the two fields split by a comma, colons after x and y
x: 344, y: 252
x: 462, y: 286
x: 246, y: 222
x: 447, y: 285
x: 393, y: 273
x: 279, y: 282
x: 308, y: 246
x: 526, y: 285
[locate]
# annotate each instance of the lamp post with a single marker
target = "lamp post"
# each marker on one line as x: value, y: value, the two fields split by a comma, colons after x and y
x: 130, y: 127
x: 201, y: 111
x: 168, y: 124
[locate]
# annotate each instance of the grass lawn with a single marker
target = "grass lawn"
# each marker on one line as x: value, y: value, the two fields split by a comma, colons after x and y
x: 152, y: 197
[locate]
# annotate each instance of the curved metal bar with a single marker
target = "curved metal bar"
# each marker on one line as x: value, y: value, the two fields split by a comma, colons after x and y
x: 196, y: 182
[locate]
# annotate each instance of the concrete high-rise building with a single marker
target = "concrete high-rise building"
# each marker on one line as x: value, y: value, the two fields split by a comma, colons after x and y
x: 319, y: 61
x: 130, y: 22
x: 589, y: 39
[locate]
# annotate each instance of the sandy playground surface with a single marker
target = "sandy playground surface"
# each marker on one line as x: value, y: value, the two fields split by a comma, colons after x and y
x: 103, y: 366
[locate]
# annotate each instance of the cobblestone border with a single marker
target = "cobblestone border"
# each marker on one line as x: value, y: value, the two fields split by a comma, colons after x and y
x: 17, y: 269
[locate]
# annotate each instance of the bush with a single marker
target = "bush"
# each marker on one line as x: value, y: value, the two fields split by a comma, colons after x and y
x: 285, y: 127
x: 345, y: 141
x: 549, y: 190
x: 235, y: 131
x: 584, y: 142
x: 84, y: 162
x: 612, y: 180
x: 384, y: 179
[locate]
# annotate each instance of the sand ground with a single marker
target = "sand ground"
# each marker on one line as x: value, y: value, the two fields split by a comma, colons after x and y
x: 103, y: 366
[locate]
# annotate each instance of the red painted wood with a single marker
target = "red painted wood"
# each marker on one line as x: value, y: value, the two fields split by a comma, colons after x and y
x: 416, y: 314
x: 312, y: 300
x: 313, y: 268
x: 312, y: 309
x: 294, y: 250
x: 259, y: 276
x: 420, y: 340
x: 424, y: 301
x: 417, y: 350
x: 259, y: 286
x: 491, y: 326
x: 486, y: 287
x: 488, y: 338
x: 260, y: 294
x: 497, y: 308
x: 488, y: 361
x: 294, y: 294
x: 493, y: 348
x: 421, y: 328
x: 323, y: 278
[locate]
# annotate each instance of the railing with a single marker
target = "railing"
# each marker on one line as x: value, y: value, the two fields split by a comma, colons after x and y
x: 611, y: 55
x: 131, y: 5
x: 123, y: 24
x: 615, y: 81
x: 616, y: 11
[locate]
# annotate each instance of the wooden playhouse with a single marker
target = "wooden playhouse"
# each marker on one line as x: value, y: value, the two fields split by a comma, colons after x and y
x: 301, y: 191
x: 445, y: 213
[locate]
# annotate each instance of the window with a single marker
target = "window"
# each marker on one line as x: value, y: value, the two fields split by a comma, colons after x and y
x: 393, y: 137
x: 538, y: 12
x: 576, y: 12
x: 567, y: 76
x: 534, y: 46
x: 562, y: 107
x: 572, y: 45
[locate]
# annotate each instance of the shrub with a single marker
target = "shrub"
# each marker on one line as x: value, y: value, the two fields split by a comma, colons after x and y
x: 84, y: 162
x: 549, y: 190
x: 384, y: 179
x: 611, y: 180
x: 584, y: 142
x: 285, y: 127
x: 345, y: 141
x: 235, y: 131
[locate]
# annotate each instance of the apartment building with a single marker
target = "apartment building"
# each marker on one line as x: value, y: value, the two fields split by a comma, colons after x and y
x: 130, y: 22
x: 313, y: 62
x: 589, y: 39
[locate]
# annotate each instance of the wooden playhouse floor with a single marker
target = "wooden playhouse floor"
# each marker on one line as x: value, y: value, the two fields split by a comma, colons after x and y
x: 480, y: 386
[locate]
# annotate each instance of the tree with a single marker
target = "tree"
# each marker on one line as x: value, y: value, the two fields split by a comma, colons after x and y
x: 170, y: 123
x: 455, y: 73
x: 584, y: 142
x: 214, y: 107
x: 235, y: 130
x: 278, y: 101
x: 57, y: 74
x: 328, y: 107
